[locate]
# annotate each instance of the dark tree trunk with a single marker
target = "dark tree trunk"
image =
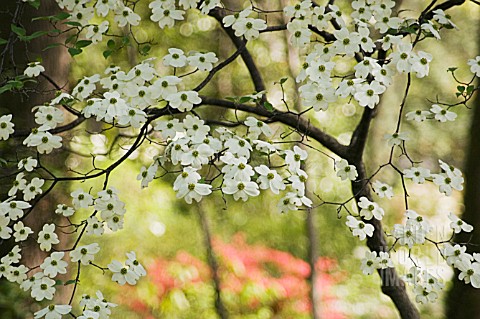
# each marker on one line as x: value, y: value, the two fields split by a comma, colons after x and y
x: 20, y: 106
x: 463, y: 301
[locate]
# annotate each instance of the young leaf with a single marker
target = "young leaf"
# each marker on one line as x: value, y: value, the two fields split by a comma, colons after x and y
x: 145, y: 49
x: 111, y: 44
x: 74, y: 51
x: 107, y: 53
x: 5, y: 88
x: 34, y: 3
x: 268, y: 106
x: 35, y: 35
x: 245, y: 99
x: 470, y: 89
x: 69, y: 282
x: 82, y: 43
x: 18, y: 30
x: 57, y: 17
x: 73, y: 23
x: 53, y: 45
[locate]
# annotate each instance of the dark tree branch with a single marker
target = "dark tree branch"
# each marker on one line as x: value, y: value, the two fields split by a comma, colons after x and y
x: 392, y: 285
x: 290, y: 119
x: 220, y: 66
x: 257, y: 78
x: 444, y: 6
x: 359, y: 137
x: 57, y: 130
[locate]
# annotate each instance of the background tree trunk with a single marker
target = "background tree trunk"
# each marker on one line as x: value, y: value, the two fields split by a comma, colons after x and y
x: 463, y: 300
x: 20, y: 105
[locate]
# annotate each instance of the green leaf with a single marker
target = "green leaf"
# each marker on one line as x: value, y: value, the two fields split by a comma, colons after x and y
x: 125, y: 40
x: 245, y: 99
x: 107, y: 53
x: 74, y: 51
x: 53, y: 45
x: 34, y: 3
x: 111, y: 44
x: 35, y: 35
x: 452, y: 69
x: 231, y: 98
x: 82, y: 43
x: 3, y: 41
x: 5, y: 88
x: 21, y: 32
x: 460, y: 88
x: 73, y: 23
x: 16, y: 84
x: 69, y: 282
x: 283, y: 80
x: 70, y: 38
x: 458, y: 94
x: 268, y: 106
x: 145, y: 49
x: 3, y: 162
x: 60, y: 16
x: 22, y: 77
x: 58, y: 282
x: 470, y: 89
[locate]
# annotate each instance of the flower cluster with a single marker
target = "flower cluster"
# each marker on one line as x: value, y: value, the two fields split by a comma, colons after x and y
x: 191, y: 144
x: 372, y: 261
x: 371, y: 77
x: 42, y: 284
x: 449, y: 179
x: 161, y: 107
x: 426, y: 285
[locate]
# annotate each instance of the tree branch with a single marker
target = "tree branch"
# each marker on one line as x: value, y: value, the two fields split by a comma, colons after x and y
x: 392, y: 285
x: 257, y: 79
x: 444, y: 6
x: 290, y: 119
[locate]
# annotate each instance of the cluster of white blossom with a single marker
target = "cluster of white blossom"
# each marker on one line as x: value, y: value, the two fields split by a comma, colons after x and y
x: 371, y: 77
x: 42, y: 284
x: 244, y: 25
x: 374, y: 261
x: 426, y: 285
x: 192, y: 145
x: 449, y: 179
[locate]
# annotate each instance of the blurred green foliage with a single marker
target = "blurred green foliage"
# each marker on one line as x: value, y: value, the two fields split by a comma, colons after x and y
x: 158, y: 227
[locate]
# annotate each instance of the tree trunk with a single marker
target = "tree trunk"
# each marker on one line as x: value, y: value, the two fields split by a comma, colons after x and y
x: 20, y: 106
x: 463, y: 301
